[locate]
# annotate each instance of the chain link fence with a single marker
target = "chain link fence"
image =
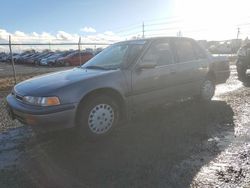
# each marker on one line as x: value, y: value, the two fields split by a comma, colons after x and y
x: 20, y: 61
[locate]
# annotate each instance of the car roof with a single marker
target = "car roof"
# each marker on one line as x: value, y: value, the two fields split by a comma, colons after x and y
x: 141, y: 41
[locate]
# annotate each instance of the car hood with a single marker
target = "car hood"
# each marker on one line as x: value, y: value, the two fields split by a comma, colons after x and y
x: 49, y: 83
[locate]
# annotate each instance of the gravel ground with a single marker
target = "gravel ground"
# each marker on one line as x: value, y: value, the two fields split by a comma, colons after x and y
x: 5, y: 122
x: 187, y: 144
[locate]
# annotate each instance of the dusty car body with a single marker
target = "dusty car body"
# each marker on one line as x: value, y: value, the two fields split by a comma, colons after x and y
x: 124, y: 78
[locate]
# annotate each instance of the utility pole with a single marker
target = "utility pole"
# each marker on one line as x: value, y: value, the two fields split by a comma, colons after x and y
x: 179, y: 34
x: 143, y: 30
x: 79, y: 48
x: 12, y: 61
x: 238, y: 32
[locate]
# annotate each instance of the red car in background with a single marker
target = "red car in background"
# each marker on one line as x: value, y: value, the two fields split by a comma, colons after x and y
x: 74, y: 58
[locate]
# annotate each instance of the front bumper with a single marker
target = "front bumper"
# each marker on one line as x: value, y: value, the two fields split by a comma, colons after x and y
x: 42, y: 119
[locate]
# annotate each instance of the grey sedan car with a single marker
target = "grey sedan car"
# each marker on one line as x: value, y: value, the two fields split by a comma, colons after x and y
x: 124, y: 78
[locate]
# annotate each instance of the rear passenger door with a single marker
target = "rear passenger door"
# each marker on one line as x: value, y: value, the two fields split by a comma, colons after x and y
x: 191, y: 65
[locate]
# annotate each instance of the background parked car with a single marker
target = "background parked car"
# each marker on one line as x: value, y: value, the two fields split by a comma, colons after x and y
x: 73, y: 59
x: 22, y: 59
x: 51, y: 60
x: 36, y: 60
x: 3, y: 57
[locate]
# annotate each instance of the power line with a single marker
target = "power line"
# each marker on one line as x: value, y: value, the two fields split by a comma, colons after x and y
x: 130, y: 33
x: 163, y: 29
x: 56, y: 44
x: 163, y: 23
x: 163, y: 18
x: 119, y: 29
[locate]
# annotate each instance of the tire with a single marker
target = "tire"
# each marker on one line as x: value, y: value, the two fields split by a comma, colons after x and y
x: 241, y: 71
x: 97, y: 116
x: 207, y: 90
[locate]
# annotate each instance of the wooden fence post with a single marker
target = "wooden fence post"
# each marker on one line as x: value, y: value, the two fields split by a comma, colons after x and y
x: 12, y: 61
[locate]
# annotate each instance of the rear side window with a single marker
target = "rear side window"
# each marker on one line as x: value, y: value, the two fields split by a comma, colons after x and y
x: 184, y: 51
x: 160, y: 53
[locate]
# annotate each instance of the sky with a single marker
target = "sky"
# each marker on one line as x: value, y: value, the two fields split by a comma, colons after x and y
x: 115, y: 20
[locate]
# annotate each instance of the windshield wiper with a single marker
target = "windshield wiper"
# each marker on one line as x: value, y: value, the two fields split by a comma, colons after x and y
x: 95, y: 67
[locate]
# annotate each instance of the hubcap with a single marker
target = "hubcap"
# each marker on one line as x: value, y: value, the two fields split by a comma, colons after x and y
x: 101, y: 118
x: 207, y: 90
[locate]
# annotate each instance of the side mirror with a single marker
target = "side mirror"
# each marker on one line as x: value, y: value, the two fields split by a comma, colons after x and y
x: 147, y: 65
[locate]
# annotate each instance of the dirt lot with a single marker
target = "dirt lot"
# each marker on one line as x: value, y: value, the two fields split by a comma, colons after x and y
x: 23, y: 72
x: 188, y: 144
x: 6, y: 69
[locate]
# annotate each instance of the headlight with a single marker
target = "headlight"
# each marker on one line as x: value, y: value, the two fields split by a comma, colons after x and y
x: 42, y: 101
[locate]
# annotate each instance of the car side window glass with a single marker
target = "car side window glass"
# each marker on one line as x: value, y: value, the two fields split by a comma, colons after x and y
x: 184, y: 51
x: 199, y: 51
x: 158, y: 53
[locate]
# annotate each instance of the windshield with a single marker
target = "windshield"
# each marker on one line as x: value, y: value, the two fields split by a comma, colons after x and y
x: 114, y: 56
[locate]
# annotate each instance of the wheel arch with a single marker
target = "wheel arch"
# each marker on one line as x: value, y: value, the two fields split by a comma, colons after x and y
x: 211, y: 75
x: 113, y: 93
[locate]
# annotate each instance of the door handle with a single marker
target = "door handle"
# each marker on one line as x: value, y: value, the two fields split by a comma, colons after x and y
x: 203, y: 66
x: 172, y: 72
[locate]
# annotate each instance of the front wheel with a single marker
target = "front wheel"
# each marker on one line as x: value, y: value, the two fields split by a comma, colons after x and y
x: 207, y: 90
x: 241, y: 70
x: 97, y: 116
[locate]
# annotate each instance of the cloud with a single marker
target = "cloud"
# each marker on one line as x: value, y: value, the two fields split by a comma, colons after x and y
x: 59, y: 37
x: 88, y: 30
x: 108, y: 33
x: 62, y: 35
x: 35, y: 34
x: 4, y: 34
x: 19, y: 34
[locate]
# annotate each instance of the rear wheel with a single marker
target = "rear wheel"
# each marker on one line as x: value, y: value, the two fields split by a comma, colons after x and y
x: 97, y: 116
x: 207, y: 90
x: 241, y: 71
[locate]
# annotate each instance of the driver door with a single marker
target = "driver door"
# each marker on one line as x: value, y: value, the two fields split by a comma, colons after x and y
x: 154, y: 75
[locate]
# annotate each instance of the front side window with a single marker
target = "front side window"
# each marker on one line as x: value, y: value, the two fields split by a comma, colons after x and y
x: 158, y: 53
